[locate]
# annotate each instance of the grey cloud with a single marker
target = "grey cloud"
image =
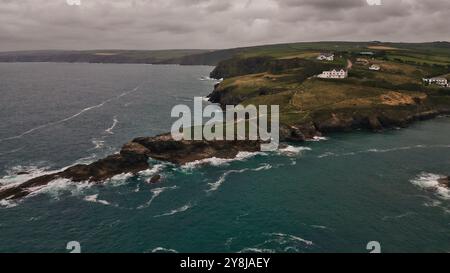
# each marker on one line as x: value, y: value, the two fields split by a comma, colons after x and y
x: 157, y: 24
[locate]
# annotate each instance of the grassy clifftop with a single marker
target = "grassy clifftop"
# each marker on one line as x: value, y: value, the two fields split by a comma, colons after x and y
x: 284, y: 75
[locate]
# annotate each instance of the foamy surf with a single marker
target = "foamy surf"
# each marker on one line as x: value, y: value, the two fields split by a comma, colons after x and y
x: 317, y: 139
x: 214, y: 161
x: 94, y: 199
x: 287, y: 238
x: 430, y: 182
x: 87, y: 109
x: 110, y: 129
x: 216, y: 185
x: 292, y: 150
x: 155, y: 193
x: 20, y: 174
x: 163, y: 250
x: 175, y: 211
x: 59, y: 186
x: 154, y: 170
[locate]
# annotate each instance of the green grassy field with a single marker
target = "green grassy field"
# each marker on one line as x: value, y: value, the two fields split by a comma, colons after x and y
x: 284, y: 75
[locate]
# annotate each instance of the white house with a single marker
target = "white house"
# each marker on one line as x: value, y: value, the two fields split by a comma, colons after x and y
x: 375, y: 67
x: 438, y: 81
x: 326, y: 57
x: 334, y: 74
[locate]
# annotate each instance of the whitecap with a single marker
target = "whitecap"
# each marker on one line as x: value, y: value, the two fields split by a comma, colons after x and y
x: 8, y: 203
x: 98, y: 143
x: 12, y: 151
x: 155, y: 193
x: 94, y: 199
x: 292, y: 150
x: 29, y: 172
x: 87, y: 109
x: 58, y: 186
x: 154, y: 170
x: 430, y: 181
x: 175, y: 211
x: 256, y: 250
x: 163, y: 250
x: 214, y: 161
x: 317, y: 139
x: 286, y: 238
x: 110, y: 129
x: 327, y: 154
x: 120, y: 179
x: 216, y: 185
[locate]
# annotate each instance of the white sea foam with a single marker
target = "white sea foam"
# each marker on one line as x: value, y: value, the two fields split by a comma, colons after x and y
x: 87, y: 109
x: 286, y: 238
x: 216, y: 185
x: 175, y: 211
x: 7, y: 203
x: 214, y: 161
x: 12, y: 151
x: 429, y: 181
x: 256, y: 250
x: 110, y: 129
x: 400, y: 216
x: 30, y: 172
x: 319, y: 227
x: 120, y: 179
x: 98, y: 143
x: 317, y: 139
x: 327, y: 154
x: 154, y: 170
x: 292, y: 150
x: 163, y: 250
x: 58, y: 186
x: 155, y: 193
x: 94, y: 199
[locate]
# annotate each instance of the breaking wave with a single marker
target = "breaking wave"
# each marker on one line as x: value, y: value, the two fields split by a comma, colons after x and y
x: 175, y: 211
x: 384, y: 150
x: 216, y: 185
x: 279, y: 242
x: 163, y: 250
x: 155, y: 193
x: 87, y: 109
x: 292, y: 150
x: 214, y: 161
x: 94, y: 199
x: 110, y: 129
x: 430, y: 182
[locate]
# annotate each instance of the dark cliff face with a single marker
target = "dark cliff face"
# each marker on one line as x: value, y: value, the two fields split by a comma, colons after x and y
x: 238, y: 66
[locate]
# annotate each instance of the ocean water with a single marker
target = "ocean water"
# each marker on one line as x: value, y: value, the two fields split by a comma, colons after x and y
x: 331, y: 195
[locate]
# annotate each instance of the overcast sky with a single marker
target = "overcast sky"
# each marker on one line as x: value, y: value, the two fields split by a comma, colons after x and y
x: 168, y: 24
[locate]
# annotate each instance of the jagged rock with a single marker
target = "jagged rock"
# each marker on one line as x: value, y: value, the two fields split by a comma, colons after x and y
x: 445, y: 181
x: 155, y: 179
x: 134, y: 157
x: 165, y: 148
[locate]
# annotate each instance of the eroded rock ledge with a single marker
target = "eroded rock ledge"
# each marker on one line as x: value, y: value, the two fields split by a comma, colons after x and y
x: 133, y: 158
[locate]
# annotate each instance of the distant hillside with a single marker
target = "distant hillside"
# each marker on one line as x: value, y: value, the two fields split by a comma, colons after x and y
x: 213, y: 57
x: 99, y: 56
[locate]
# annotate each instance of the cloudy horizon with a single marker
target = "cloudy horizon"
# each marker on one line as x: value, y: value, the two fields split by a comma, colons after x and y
x: 214, y: 24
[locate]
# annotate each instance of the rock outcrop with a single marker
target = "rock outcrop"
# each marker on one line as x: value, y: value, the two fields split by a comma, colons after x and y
x: 133, y: 158
x: 445, y: 181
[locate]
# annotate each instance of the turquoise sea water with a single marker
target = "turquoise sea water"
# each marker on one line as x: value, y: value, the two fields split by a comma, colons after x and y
x: 334, y: 195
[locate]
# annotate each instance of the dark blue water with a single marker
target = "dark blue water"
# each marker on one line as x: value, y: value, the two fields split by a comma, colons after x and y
x: 334, y: 195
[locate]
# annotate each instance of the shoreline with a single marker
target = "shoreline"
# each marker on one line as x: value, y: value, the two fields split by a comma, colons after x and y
x: 135, y: 155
